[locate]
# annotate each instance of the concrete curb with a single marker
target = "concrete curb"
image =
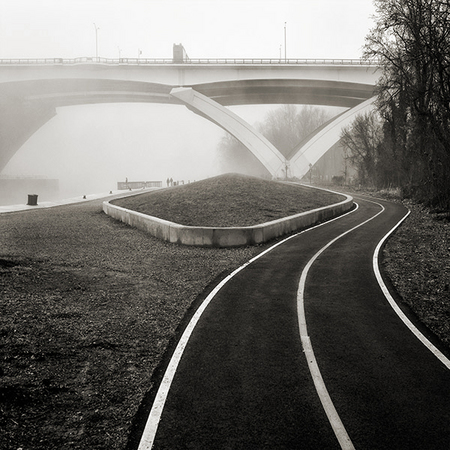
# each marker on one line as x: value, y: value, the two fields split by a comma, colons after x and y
x: 226, y: 236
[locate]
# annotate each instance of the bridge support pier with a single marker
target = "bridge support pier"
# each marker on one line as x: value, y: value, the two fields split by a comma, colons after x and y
x: 19, y: 121
x: 272, y: 159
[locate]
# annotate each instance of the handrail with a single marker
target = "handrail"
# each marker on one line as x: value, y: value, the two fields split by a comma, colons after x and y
x: 206, y: 61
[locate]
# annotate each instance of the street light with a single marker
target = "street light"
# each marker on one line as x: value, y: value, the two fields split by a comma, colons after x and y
x: 285, y: 41
x: 96, y: 41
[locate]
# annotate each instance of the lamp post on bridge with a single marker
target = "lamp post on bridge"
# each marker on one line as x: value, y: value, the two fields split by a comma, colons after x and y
x: 96, y: 41
x: 285, y: 52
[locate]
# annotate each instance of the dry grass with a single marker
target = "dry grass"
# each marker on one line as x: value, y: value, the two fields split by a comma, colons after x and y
x: 229, y: 200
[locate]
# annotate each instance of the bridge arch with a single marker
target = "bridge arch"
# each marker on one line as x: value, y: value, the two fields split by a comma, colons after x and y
x: 31, y: 103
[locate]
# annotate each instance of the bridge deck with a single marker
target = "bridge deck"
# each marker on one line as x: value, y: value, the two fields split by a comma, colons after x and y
x: 164, y: 61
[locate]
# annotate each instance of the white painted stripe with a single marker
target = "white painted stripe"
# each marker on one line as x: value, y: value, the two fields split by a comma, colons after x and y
x: 148, y: 436
x: 333, y: 417
x: 396, y: 308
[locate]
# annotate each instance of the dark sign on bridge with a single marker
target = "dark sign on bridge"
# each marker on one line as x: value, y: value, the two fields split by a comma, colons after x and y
x: 179, y: 54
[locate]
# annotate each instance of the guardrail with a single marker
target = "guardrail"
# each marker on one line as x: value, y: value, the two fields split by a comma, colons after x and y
x: 208, y: 61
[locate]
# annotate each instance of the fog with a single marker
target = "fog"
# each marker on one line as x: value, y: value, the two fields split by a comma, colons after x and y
x: 90, y: 148
x: 207, y: 28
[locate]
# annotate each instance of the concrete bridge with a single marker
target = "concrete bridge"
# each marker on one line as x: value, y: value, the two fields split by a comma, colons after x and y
x: 31, y: 90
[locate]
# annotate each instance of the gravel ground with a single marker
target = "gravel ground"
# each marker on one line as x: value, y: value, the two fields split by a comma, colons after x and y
x: 88, y: 306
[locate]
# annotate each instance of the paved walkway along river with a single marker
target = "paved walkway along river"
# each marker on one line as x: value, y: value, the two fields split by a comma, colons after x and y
x: 243, y: 381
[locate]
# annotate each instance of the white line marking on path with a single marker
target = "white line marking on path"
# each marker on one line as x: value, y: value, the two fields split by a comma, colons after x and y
x: 376, y: 268
x: 321, y: 389
x: 148, y: 436
x: 439, y: 355
x: 333, y: 417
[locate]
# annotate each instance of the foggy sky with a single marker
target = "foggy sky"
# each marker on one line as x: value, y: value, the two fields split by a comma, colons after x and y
x: 207, y: 28
x: 89, y: 148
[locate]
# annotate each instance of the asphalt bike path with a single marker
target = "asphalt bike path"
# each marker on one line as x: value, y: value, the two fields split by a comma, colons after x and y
x: 390, y: 390
x: 243, y: 381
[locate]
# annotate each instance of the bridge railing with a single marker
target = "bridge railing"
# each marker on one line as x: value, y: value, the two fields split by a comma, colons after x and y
x: 206, y: 61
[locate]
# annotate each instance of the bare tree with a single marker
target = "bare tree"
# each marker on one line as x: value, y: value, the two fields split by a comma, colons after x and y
x: 284, y: 127
x: 361, y: 141
x: 411, y: 42
x: 288, y: 125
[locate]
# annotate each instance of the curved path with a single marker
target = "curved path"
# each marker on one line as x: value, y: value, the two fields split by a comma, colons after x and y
x: 243, y: 381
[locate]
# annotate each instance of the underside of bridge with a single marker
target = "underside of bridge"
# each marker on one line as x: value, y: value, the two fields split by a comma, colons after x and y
x: 28, y: 105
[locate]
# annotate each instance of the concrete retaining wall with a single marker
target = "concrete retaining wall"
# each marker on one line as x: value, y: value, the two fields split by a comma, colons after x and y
x: 226, y: 236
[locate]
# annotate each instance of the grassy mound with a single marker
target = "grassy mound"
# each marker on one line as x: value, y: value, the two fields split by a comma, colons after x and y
x: 229, y: 200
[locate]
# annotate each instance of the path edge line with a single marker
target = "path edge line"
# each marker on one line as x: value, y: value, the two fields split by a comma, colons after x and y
x: 327, y: 404
x: 376, y: 268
